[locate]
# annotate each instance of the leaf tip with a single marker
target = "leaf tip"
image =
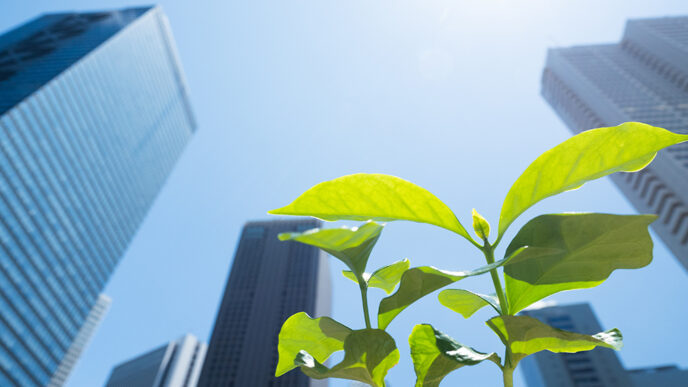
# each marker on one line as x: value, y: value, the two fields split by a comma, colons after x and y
x: 277, y: 211
x: 279, y: 372
x: 612, y: 337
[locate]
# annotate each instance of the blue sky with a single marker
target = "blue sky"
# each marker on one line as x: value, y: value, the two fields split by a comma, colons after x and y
x: 441, y: 93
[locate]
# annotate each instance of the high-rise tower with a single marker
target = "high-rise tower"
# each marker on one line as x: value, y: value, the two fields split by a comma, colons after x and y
x: 597, y: 368
x: 175, y: 364
x: 93, y: 116
x: 80, y: 341
x: 270, y: 280
x: 643, y: 78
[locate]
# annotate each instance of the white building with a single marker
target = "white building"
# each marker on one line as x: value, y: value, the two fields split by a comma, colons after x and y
x: 643, y: 78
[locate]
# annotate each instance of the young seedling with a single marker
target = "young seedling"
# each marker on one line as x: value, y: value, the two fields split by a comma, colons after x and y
x: 550, y: 254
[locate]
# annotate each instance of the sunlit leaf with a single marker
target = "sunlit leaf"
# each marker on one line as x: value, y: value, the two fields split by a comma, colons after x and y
x: 365, y: 196
x: 320, y: 337
x: 466, y: 303
x: 435, y: 355
x: 418, y: 282
x: 385, y: 278
x: 480, y: 225
x: 573, y: 251
x: 351, y: 245
x: 348, y: 274
x: 587, y: 156
x: 526, y: 335
x: 368, y: 355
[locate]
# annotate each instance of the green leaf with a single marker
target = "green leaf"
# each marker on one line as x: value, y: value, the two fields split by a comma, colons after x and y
x: 435, y: 355
x: 351, y: 245
x: 418, y: 282
x: 320, y: 337
x: 385, y: 278
x: 573, y: 251
x: 368, y: 355
x: 365, y: 196
x: 480, y: 226
x: 465, y: 302
x: 348, y: 274
x: 526, y: 335
x: 587, y: 156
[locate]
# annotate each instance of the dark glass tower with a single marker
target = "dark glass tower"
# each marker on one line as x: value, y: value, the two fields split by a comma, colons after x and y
x: 269, y: 281
x: 644, y: 78
x: 175, y: 364
x: 93, y: 115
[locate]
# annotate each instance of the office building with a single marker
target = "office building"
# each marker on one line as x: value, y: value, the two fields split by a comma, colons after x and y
x: 270, y: 280
x: 93, y: 116
x: 664, y: 376
x: 597, y: 368
x: 176, y: 364
x: 643, y: 78
x: 88, y: 328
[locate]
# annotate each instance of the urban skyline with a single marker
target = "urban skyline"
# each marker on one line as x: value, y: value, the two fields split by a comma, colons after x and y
x: 269, y: 281
x: 643, y: 78
x: 93, y: 116
x: 278, y: 86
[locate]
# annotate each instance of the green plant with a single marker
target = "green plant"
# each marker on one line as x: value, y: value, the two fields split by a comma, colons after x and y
x: 551, y: 253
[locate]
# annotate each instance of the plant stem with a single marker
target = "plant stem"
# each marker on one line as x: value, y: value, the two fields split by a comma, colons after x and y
x: 508, y: 368
x: 489, y: 256
x: 508, y: 376
x: 364, y: 297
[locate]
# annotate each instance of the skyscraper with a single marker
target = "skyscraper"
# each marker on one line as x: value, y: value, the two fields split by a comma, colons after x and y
x: 88, y: 328
x: 643, y: 78
x: 597, y: 368
x: 176, y: 364
x: 93, y: 115
x: 269, y: 281
x: 664, y: 376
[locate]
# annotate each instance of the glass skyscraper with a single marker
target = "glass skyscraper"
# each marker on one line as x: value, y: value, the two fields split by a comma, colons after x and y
x: 94, y: 114
x: 270, y: 280
x: 643, y: 78
x: 80, y: 341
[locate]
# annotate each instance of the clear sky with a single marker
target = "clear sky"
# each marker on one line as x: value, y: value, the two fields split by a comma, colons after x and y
x: 442, y: 93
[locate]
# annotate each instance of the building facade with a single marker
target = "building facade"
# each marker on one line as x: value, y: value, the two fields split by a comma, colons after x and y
x: 643, y: 78
x: 664, y: 376
x: 270, y: 280
x: 176, y: 364
x: 80, y: 342
x: 93, y: 116
x: 597, y: 368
